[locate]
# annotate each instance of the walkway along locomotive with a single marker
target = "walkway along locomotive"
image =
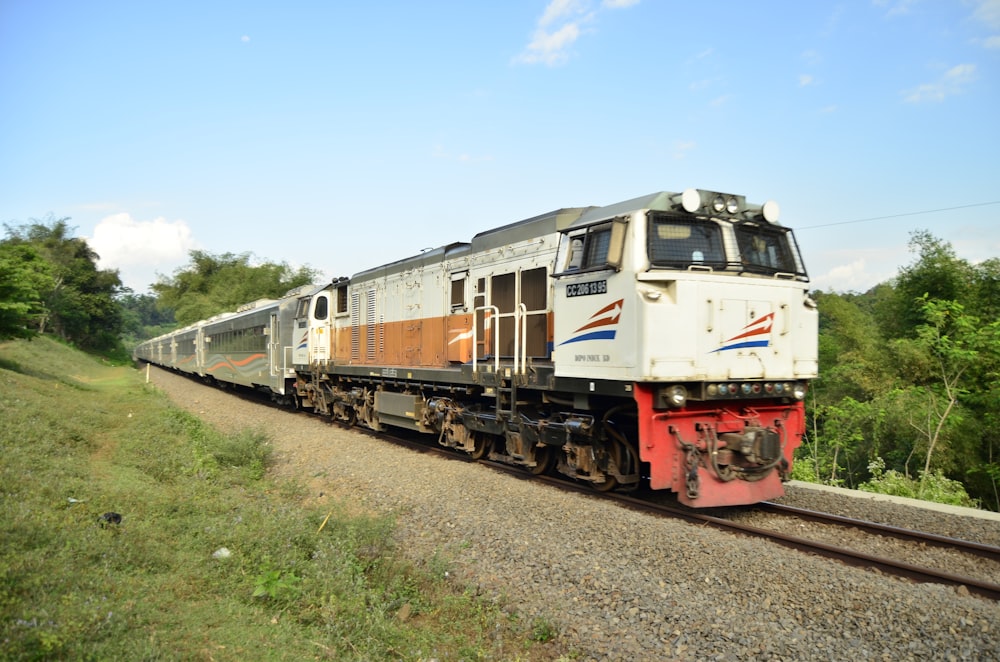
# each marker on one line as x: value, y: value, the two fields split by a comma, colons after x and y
x: 668, y: 338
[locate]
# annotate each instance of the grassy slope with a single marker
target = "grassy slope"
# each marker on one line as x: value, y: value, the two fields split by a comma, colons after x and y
x: 76, y: 429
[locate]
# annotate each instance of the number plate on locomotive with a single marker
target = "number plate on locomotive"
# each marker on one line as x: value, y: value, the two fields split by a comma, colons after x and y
x: 584, y: 289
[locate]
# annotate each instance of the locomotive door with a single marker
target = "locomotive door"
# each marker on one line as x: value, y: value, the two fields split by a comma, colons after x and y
x: 459, y: 325
x: 320, y: 338
x: 515, y: 317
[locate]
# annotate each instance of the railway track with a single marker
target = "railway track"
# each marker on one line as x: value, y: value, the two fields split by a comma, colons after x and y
x: 890, y: 566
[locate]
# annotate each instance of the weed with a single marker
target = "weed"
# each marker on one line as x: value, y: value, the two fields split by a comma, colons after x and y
x: 543, y: 630
x: 276, y: 585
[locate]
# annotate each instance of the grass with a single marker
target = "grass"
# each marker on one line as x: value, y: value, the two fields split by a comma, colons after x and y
x: 212, y: 559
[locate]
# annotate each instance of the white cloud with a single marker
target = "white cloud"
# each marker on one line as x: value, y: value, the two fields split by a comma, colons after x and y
x: 141, y: 249
x: 550, y: 48
x: 853, y: 276
x: 952, y: 82
x: 988, y: 13
x: 560, y: 26
x: 559, y: 9
x: 805, y: 80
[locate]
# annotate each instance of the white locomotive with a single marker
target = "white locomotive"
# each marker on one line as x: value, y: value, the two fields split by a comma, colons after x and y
x: 668, y: 338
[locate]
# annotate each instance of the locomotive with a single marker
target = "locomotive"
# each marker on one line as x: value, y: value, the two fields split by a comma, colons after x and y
x: 666, y: 340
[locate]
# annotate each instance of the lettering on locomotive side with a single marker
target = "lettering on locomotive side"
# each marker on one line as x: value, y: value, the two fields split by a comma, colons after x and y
x: 592, y: 358
x: 585, y: 289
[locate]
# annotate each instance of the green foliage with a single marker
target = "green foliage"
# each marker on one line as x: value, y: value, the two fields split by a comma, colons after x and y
x: 910, y: 372
x: 542, y: 630
x: 143, y: 317
x: 929, y: 487
x: 24, y: 275
x: 327, y: 584
x: 213, y: 284
x: 937, y: 274
x: 75, y: 300
x: 276, y: 585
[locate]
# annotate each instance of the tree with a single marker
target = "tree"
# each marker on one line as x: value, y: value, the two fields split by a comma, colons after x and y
x: 142, y: 317
x: 24, y: 275
x: 946, y: 351
x: 212, y: 284
x: 937, y: 273
x: 852, y: 359
x: 78, y: 304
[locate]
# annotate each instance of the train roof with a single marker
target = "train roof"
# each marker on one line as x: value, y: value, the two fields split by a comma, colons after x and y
x: 529, y: 228
x: 659, y: 201
x: 525, y: 230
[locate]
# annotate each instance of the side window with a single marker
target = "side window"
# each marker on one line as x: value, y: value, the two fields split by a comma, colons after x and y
x: 302, y: 312
x: 590, y: 248
x: 322, y: 310
x: 342, y: 299
x: 458, y: 291
x: 599, y: 246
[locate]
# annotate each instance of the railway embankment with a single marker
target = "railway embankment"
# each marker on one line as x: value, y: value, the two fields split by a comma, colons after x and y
x: 618, y: 584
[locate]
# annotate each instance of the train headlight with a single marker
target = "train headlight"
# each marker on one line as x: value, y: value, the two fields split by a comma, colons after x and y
x: 718, y: 204
x: 690, y: 200
x: 732, y: 206
x: 676, y: 396
x: 799, y: 391
x: 771, y: 211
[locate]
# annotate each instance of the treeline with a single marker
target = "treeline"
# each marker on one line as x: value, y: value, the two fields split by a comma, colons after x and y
x: 907, y: 401
x: 908, y: 396
x: 50, y: 284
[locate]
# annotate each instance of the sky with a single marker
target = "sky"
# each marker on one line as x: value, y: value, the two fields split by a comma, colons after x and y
x: 342, y: 136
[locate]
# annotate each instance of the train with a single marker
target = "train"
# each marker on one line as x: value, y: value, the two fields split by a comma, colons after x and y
x: 663, y: 342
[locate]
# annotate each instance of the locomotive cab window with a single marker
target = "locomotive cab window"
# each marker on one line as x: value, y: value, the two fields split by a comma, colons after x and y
x: 765, y: 249
x: 681, y: 243
x: 322, y: 309
x: 595, y: 247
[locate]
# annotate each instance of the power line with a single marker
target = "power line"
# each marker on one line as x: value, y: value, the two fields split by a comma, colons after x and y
x: 912, y: 213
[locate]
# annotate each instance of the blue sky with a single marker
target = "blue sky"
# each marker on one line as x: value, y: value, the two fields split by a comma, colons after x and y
x: 346, y: 135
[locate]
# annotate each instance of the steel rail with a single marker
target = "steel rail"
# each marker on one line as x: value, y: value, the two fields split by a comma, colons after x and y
x: 979, y: 549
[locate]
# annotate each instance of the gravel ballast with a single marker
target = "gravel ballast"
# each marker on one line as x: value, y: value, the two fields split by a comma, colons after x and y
x: 618, y: 584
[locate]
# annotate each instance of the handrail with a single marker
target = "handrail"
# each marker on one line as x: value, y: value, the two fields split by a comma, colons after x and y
x: 496, y: 337
x: 520, y: 337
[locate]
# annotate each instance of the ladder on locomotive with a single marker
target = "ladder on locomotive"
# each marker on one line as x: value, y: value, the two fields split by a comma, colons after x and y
x: 506, y: 374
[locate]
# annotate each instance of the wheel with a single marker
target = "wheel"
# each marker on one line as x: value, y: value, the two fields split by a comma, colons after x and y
x: 482, y: 443
x: 609, y: 484
x: 543, y: 460
x: 622, y: 458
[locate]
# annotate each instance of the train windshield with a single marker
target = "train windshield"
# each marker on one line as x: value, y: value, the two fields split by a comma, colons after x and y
x: 765, y: 249
x: 682, y: 242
